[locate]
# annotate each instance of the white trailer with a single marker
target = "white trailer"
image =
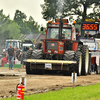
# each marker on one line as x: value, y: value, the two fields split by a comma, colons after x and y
x: 93, y: 43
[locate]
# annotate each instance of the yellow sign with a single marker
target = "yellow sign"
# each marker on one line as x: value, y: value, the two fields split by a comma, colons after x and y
x: 89, y: 20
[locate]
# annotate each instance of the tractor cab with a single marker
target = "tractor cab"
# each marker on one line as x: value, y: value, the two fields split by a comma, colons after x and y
x: 26, y: 45
x: 58, y: 37
x: 60, y: 29
x: 13, y: 42
x: 53, y: 33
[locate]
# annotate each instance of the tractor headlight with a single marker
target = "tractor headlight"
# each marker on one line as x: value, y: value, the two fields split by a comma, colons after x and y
x: 55, y: 51
x: 49, y: 51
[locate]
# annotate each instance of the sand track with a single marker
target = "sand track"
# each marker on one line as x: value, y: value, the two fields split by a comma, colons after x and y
x: 39, y: 83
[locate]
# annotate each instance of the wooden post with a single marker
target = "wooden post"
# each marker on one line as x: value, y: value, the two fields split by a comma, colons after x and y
x: 23, y: 80
x: 73, y: 79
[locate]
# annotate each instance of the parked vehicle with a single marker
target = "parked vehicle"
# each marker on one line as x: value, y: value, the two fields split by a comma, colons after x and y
x: 26, y: 46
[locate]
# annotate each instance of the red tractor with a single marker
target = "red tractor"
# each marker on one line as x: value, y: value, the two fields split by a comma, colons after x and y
x: 59, y: 51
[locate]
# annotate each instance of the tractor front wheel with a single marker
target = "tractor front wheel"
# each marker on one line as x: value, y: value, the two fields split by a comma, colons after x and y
x: 69, y: 55
x: 37, y: 54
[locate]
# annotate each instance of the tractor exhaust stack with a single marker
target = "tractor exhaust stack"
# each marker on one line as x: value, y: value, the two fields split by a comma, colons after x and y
x: 60, y: 29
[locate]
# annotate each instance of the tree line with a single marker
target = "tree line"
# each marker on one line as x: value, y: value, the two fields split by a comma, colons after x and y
x: 13, y: 29
x: 71, y: 8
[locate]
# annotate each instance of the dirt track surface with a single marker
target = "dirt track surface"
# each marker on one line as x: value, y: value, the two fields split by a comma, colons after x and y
x: 36, y: 83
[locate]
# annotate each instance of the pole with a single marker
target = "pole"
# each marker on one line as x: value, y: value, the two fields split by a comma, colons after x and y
x: 23, y: 80
x: 73, y: 79
x: 60, y: 29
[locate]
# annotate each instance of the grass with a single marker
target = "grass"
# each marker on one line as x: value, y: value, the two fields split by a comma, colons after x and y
x: 91, y: 92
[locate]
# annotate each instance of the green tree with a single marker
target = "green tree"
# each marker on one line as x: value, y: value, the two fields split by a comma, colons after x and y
x: 14, y: 30
x: 10, y: 31
x: 20, y: 18
x: 8, y: 28
x: 49, y: 9
x: 4, y: 20
x: 33, y: 25
x: 96, y: 12
x: 70, y: 8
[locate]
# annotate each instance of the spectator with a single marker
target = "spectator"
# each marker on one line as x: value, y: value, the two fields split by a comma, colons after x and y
x: 78, y: 36
x: 10, y: 54
x: 4, y: 53
x: 87, y: 35
x: 94, y: 67
x: 15, y: 49
x: 18, y: 53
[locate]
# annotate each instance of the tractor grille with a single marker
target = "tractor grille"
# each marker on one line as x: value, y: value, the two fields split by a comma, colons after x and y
x: 53, y: 45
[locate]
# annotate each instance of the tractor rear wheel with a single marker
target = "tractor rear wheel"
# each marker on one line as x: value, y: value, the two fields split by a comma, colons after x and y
x: 78, y: 66
x: 85, y: 59
x: 37, y: 54
x: 29, y: 54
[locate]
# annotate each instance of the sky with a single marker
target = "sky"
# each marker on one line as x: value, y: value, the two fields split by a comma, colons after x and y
x: 29, y: 7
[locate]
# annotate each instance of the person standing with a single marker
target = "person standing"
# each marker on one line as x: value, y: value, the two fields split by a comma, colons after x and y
x: 11, y: 54
x: 78, y: 36
x: 87, y: 35
x: 18, y: 54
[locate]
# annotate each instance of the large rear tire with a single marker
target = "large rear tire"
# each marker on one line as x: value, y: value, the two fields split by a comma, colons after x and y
x: 29, y: 54
x: 85, y: 59
x: 78, y: 66
x: 38, y: 54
